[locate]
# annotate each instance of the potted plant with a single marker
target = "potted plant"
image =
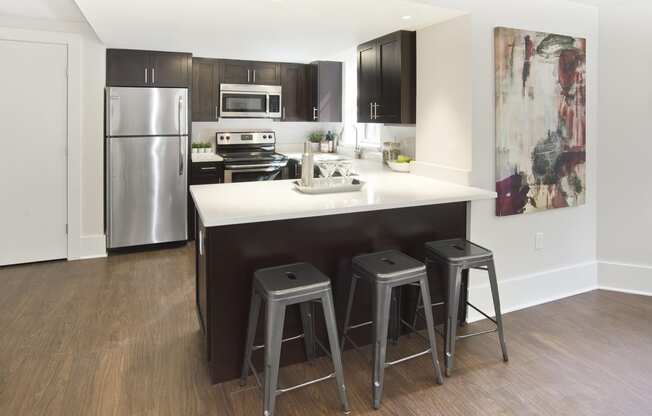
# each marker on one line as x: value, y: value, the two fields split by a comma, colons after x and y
x: 207, y: 147
x: 315, y: 139
x: 195, y: 147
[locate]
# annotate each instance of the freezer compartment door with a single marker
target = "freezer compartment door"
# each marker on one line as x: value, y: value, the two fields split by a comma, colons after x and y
x: 146, y: 111
x: 147, y: 191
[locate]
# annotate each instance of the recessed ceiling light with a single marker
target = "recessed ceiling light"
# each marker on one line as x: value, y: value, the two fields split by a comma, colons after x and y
x: 406, y: 17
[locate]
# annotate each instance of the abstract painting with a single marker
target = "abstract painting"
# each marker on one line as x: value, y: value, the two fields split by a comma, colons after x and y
x: 540, y: 121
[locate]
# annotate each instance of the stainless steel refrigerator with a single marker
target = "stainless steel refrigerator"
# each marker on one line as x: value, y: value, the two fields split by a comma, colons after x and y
x: 146, y: 172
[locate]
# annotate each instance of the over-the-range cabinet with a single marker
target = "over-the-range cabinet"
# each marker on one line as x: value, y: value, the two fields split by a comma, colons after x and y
x: 387, y: 79
x: 251, y: 72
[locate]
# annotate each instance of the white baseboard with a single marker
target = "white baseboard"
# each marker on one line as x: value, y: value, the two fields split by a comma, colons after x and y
x: 92, y: 246
x: 533, y: 289
x: 440, y: 172
x: 625, y: 277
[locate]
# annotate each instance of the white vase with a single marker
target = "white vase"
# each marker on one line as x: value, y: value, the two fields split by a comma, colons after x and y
x: 314, y: 147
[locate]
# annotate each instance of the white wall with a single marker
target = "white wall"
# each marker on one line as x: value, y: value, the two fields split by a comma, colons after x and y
x: 625, y: 197
x: 444, y: 94
x: 92, y: 84
x: 566, y: 265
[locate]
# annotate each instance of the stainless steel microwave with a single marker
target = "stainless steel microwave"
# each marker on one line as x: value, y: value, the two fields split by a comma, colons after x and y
x: 250, y: 101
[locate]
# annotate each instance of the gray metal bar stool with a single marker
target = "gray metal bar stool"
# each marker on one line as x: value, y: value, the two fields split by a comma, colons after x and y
x: 385, y: 271
x: 458, y: 255
x: 279, y: 287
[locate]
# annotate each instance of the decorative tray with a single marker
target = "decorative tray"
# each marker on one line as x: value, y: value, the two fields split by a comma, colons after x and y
x: 333, y: 185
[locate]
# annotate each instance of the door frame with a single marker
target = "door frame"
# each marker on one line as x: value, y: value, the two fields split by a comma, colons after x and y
x: 72, y: 41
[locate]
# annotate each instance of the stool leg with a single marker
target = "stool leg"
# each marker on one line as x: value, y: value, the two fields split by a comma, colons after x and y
x: 254, y: 312
x: 395, y: 316
x: 430, y: 326
x: 273, y: 337
x: 349, y: 306
x: 416, y: 311
x: 452, y: 307
x: 493, y: 281
x: 308, y: 329
x: 331, y: 327
x: 382, y: 303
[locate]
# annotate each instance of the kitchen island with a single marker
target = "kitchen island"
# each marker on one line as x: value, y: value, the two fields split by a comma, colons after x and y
x: 246, y: 226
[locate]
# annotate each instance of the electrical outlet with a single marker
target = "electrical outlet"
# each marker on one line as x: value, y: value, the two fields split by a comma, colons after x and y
x: 538, y: 241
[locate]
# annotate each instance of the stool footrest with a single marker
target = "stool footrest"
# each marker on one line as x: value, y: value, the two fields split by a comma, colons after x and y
x: 260, y: 347
x: 306, y: 384
x: 409, y: 357
x: 488, y: 331
x: 356, y: 326
x: 482, y: 313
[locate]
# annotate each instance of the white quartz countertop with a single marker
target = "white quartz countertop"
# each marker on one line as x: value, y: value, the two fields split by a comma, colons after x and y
x: 248, y: 202
x: 318, y: 156
x: 205, y: 157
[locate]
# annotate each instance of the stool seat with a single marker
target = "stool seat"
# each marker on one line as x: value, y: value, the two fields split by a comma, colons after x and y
x: 457, y: 250
x: 290, y: 280
x: 387, y: 265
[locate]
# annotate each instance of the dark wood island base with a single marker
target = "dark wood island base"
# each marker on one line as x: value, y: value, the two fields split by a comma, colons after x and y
x: 228, y: 255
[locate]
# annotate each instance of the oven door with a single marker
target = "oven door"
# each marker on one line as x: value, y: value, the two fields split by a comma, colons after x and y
x: 244, y: 104
x: 251, y: 173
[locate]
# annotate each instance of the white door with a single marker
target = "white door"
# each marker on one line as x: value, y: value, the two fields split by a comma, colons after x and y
x: 33, y: 137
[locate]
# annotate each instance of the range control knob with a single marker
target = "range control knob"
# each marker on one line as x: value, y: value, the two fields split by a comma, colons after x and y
x: 264, y: 136
x: 228, y: 137
x: 221, y: 137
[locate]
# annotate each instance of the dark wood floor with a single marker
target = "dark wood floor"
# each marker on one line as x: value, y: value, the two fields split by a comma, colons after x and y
x: 119, y: 336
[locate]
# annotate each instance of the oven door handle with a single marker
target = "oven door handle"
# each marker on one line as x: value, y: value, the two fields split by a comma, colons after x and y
x: 253, y: 168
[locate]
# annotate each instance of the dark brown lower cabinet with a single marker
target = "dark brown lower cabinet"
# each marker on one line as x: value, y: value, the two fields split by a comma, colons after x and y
x: 202, y: 173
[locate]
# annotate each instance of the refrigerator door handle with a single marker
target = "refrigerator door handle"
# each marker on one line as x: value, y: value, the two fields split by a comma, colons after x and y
x: 181, y: 152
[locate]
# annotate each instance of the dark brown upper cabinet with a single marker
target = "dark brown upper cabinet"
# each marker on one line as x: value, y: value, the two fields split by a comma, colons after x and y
x: 325, y: 81
x: 295, y: 100
x: 251, y: 72
x: 134, y: 68
x: 387, y: 79
x: 205, y: 89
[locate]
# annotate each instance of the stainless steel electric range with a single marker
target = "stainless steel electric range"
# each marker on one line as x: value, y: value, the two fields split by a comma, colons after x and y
x: 250, y: 156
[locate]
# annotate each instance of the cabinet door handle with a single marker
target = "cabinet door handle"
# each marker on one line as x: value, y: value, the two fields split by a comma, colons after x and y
x: 254, y: 76
x: 145, y: 75
x: 371, y: 111
x: 314, y: 113
x: 375, y: 111
x: 153, y: 77
x: 283, y: 112
x: 209, y: 168
x: 215, y: 112
x: 248, y: 74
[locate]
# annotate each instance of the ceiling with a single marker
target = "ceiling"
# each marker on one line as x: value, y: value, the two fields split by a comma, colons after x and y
x: 278, y: 30
x: 62, y: 10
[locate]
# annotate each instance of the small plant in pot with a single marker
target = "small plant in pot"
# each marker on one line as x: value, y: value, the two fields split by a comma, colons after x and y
x: 195, y: 147
x: 207, y: 147
x: 315, y: 139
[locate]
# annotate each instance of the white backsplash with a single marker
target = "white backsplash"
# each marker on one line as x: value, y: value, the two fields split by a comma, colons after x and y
x: 290, y: 136
x: 286, y: 132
